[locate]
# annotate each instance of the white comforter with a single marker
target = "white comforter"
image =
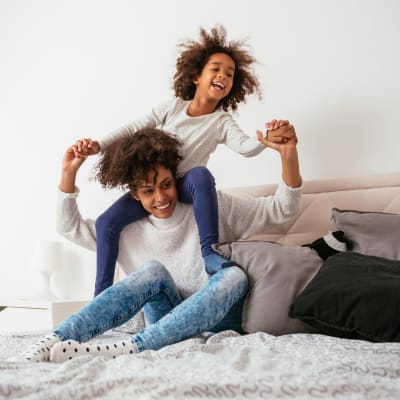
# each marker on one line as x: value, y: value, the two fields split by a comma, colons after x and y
x: 223, y: 366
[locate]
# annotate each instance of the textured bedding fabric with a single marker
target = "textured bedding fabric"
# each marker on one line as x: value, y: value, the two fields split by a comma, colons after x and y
x: 223, y: 366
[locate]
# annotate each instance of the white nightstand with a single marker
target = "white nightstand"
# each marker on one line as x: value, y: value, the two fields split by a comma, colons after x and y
x: 32, y: 315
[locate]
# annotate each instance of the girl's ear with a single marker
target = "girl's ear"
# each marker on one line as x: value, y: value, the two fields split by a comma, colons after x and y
x: 196, y: 80
x: 134, y: 195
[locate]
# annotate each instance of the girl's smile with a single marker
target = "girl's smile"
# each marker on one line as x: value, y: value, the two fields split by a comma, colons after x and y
x: 216, y: 78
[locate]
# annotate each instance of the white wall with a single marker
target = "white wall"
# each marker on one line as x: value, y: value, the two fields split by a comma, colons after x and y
x: 70, y: 69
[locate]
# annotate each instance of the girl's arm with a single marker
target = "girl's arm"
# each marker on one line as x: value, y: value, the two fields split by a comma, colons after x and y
x: 233, y: 137
x: 151, y: 120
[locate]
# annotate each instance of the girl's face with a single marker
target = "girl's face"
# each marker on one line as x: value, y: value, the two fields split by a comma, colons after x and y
x: 158, y: 193
x: 216, y: 78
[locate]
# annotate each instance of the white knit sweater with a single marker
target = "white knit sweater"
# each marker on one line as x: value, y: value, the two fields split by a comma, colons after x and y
x: 199, y: 135
x: 175, y: 241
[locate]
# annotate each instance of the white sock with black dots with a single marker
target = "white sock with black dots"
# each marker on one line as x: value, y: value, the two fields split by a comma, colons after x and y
x: 69, y: 349
x: 40, y: 351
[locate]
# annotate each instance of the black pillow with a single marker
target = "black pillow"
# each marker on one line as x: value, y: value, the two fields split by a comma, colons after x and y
x: 353, y: 296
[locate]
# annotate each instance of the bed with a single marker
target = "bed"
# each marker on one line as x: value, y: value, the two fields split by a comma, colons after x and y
x: 226, y: 365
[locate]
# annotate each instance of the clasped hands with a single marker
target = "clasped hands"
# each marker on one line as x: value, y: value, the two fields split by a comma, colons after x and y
x: 278, y: 132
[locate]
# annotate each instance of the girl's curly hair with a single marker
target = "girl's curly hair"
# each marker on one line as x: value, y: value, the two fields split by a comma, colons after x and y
x: 129, y: 159
x: 194, y: 57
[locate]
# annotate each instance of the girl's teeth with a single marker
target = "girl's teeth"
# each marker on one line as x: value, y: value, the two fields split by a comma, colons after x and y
x: 218, y: 85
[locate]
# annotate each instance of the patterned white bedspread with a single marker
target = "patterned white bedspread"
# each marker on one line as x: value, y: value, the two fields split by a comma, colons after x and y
x: 223, y: 366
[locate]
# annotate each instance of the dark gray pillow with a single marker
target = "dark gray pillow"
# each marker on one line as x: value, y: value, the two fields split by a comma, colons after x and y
x: 372, y: 233
x: 277, y: 274
x: 353, y: 296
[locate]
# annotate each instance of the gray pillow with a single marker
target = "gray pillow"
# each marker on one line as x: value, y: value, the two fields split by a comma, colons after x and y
x: 371, y: 233
x: 277, y: 274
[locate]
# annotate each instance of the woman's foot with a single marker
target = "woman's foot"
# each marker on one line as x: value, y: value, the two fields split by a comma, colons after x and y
x: 40, y: 351
x: 69, y: 349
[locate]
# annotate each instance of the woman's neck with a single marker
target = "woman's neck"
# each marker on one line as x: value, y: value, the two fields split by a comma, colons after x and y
x: 198, y: 107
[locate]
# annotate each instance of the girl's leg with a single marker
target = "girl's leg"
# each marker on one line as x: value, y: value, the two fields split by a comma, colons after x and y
x: 108, y: 229
x: 197, y: 186
x: 116, y: 305
x: 199, y: 313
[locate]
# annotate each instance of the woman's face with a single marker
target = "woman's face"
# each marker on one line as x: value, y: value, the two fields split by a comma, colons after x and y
x: 158, y: 193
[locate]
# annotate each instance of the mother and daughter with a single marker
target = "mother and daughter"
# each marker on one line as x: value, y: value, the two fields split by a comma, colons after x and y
x: 170, y: 207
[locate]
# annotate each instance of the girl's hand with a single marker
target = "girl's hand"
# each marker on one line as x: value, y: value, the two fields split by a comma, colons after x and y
x: 87, y: 147
x: 276, y: 124
x: 288, y: 139
x: 275, y: 134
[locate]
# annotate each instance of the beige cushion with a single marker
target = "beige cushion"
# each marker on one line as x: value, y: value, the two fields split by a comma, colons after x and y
x: 277, y: 274
x: 380, y: 193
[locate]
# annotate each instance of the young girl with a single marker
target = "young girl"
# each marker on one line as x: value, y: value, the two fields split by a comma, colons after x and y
x: 212, y: 77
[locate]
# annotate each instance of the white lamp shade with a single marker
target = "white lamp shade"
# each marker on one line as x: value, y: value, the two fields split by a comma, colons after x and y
x: 37, y: 282
x: 47, y: 256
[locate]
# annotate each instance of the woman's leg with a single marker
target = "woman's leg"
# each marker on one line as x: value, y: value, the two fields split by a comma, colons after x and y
x: 108, y: 229
x: 198, y: 313
x: 197, y: 186
x: 116, y: 305
x: 120, y: 302
x: 233, y: 320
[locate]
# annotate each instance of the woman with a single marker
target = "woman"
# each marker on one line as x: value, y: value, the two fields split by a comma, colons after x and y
x: 179, y: 299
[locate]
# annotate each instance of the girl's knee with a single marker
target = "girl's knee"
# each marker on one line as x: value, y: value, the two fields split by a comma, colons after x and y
x: 200, y: 176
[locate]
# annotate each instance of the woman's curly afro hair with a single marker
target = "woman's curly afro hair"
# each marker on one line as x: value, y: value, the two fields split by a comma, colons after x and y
x: 129, y: 159
x: 194, y: 57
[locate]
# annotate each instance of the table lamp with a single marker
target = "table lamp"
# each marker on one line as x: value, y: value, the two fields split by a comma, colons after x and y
x: 47, y: 259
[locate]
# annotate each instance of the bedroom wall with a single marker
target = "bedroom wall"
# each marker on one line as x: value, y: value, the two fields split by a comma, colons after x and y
x: 82, y: 68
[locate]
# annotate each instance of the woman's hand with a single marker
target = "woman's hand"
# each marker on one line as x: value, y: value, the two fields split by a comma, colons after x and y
x: 87, y: 147
x: 288, y: 152
x: 275, y: 134
x: 72, y: 161
x: 282, y: 138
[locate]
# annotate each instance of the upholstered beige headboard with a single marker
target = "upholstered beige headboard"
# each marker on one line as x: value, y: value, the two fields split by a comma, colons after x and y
x: 368, y: 193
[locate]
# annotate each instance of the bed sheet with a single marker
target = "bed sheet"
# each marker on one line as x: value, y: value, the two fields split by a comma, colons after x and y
x: 222, y: 366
